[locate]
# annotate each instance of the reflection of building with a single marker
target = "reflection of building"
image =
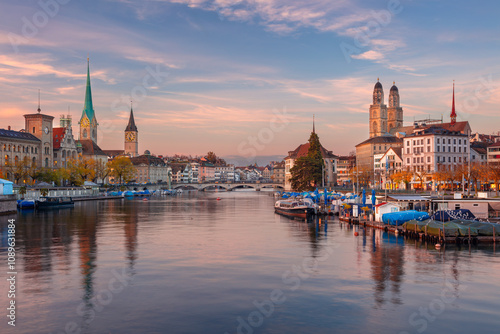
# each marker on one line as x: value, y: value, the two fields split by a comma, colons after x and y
x: 387, y: 265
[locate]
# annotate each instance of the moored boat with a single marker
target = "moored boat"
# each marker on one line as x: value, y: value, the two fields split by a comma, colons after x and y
x: 26, y: 204
x: 295, y: 208
x: 54, y: 203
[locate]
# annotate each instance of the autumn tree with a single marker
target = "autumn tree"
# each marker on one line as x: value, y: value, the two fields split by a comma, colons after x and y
x: 214, y: 159
x: 19, y: 169
x: 81, y: 170
x: 307, y: 172
x: 102, y: 170
x: 121, y: 168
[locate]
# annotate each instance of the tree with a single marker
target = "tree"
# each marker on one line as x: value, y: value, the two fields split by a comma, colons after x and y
x: 307, y: 171
x: 102, y: 170
x: 121, y: 168
x: 81, y: 170
x: 19, y: 169
x: 403, y: 177
x: 421, y: 176
x: 214, y: 159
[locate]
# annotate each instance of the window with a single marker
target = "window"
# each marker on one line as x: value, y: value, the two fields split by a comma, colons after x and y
x: 437, y: 149
x: 449, y: 141
x: 428, y: 159
x: 454, y: 149
x: 454, y: 159
x: 33, y: 129
x: 438, y: 140
x: 449, y: 159
x: 408, y: 160
x: 428, y: 148
x: 454, y: 141
x: 407, y: 150
x: 459, y: 159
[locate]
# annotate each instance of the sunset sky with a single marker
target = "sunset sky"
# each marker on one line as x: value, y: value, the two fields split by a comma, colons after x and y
x: 207, y: 75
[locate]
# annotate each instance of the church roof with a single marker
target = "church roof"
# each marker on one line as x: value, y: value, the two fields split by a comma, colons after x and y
x: 382, y: 140
x: 378, y: 85
x: 17, y: 135
x: 148, y: 160
x: 113, y: 153
x: 303, y: 149
x: 131, y: 122
x: 91, y: 148
x: 88, y: 109
x: 461, y: 127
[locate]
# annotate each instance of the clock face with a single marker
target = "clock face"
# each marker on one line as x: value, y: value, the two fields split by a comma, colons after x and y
x: 85, y: 122
x: 46, y: 130
x: 130, y: 136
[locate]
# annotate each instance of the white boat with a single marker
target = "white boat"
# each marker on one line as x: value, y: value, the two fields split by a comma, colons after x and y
x: 300, y: 208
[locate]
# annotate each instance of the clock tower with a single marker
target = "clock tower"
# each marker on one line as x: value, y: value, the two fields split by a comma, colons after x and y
x: 131, y: 138
x: 40, y: 126
x: 88, y: 122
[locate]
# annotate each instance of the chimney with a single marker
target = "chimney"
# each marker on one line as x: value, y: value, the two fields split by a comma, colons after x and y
x: 8, y: 128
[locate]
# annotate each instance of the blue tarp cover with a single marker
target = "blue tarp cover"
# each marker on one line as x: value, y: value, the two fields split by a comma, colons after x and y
x: 399, y: 218
x: 447, y: 215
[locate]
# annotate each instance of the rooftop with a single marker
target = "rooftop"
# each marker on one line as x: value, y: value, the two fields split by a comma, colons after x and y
x: 17, y: 135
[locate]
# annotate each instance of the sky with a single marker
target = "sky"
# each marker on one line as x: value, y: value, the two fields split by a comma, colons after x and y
x: 245, y: 77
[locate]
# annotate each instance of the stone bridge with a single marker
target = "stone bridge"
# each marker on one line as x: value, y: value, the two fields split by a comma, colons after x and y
x: 227, y: 186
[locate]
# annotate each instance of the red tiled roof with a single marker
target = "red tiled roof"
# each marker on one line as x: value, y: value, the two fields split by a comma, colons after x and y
x: 91, y: 148
x: 303, y: 149
x: 57, y: 135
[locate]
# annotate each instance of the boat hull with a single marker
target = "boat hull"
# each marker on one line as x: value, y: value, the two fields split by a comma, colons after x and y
x: 295, y: 213
x: 54, y: 204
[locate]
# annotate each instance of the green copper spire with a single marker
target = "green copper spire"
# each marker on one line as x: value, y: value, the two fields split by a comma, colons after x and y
x: 88, y: 109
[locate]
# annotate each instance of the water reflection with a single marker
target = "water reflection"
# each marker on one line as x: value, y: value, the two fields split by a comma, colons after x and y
x: 387, y: 266
x: 206, y: 261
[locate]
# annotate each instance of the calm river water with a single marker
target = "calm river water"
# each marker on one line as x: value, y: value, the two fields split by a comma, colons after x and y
x: 192, y: 264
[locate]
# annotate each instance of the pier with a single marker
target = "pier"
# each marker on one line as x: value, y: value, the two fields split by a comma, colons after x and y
x: 421, y: 236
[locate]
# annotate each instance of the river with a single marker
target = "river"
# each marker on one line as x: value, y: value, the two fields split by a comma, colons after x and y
x: 195, y: 264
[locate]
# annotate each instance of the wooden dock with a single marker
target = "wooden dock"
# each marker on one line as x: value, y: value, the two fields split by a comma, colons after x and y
x: 399, y: 230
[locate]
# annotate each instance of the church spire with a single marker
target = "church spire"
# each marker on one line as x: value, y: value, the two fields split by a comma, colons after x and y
x: 39, y: 109
x: 88, y: 108
x: 453, y: 114
x: 131, y: 122
x: 314, y: 127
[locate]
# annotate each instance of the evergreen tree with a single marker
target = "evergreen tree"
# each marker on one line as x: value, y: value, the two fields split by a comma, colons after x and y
x: 307, y: 171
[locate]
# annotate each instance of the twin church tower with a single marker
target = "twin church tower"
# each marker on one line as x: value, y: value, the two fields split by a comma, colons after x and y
x: 382, y: 118
x: 88, y: 123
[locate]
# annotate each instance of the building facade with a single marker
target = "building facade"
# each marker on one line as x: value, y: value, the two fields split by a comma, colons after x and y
x: 150, y: 169
x: 329, y: 159
x: 433, y: 149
